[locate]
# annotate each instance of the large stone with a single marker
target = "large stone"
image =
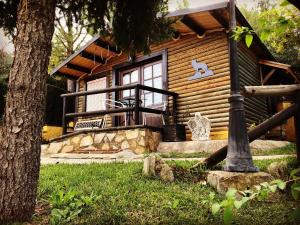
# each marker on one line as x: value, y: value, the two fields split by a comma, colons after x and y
x: 105, y: 147
x: 99, y: 138
x: 132, y: 134
x: 143, y: 133
x: 124, y: 145
x: 126, y: 154
x: 149, y: 165
x: 67, y: 148
x: 66, y: 142
x: 140, y: 150
x: 119, y: 138
x: 111, y: 136
x: 156, y: 137
x: 142, y: 142
x: 223, y: 180
x: 44, y: 148
x: 55, y: 147
x: 86, y: 141
x: 166, y: 173
x: 75, y: 141
x: 279, y: 170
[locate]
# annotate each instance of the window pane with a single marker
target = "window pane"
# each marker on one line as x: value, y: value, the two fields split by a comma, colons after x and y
x: 132, y: 91
x: 148, y: 83
x: 157, y: 70
x: 126, y: 79
x: 148, y: 99
x: 147, y: 72
x: 135, y: 76
x: 157, y: 83
x: 157, y: 98
x: 126, y: 93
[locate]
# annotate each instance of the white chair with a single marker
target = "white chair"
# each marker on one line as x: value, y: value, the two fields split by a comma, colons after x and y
x: 113, y: 103
x: 162, y: 107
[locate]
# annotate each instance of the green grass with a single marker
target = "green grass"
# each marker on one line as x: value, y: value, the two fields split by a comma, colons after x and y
x: 287, y: 150
x: 127, y: 197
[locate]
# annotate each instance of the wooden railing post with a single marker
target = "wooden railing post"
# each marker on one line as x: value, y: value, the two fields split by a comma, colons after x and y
x: 137, y: 106
x: 64, y: 116
x: 174, y: 98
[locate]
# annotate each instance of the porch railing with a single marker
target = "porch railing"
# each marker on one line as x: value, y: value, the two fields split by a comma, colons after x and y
x: 136, y: 109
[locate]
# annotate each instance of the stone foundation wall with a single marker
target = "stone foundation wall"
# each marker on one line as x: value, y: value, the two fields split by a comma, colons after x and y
x: 139, y: 140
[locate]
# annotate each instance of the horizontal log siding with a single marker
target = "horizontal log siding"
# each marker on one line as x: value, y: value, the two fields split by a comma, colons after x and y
x: 208, y: 95
x: 255, y: 108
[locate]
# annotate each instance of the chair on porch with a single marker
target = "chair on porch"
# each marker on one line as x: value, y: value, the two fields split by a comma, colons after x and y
x: 162, y: 107
x: 114, y: 104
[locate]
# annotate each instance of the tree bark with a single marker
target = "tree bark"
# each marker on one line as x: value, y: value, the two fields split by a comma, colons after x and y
x: 21, y: 134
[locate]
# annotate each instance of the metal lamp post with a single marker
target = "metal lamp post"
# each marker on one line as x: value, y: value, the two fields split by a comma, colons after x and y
x: 239, y: 158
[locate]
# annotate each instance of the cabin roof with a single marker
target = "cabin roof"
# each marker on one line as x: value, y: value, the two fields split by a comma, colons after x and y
x: 201, y: 20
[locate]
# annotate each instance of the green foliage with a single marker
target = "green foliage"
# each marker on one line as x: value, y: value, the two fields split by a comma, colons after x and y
x: 5, y: 64
x: 243, y: 33
x: 127, y: 197
x: 234, y: 200
x: 133, y: 24
x: 67, y: 206
x: 277, y: 24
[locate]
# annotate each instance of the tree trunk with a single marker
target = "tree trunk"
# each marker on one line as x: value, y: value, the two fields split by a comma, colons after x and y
x: 21, y: 135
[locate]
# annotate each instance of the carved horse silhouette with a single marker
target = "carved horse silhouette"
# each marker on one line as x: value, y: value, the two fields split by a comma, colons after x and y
x: 199, y: 67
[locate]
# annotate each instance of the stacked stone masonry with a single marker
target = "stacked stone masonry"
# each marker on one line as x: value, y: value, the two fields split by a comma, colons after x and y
x: 140, y: 140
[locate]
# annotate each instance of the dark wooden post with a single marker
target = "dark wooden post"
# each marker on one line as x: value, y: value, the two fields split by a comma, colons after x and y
x: 297, y: 127
x: 64, y: 116
x: 174, y: 98
x: 137, y: 106
x: 238, y: 158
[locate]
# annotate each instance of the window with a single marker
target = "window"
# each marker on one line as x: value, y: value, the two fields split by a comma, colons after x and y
x: 97, y: 101
x: 130, y: 77
x: 153, y: 78
x: 148, y: 75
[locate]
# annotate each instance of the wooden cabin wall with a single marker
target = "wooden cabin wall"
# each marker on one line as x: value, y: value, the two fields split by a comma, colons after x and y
x: 206, y: 95
x: 209, y: 95
x: 255, y: 108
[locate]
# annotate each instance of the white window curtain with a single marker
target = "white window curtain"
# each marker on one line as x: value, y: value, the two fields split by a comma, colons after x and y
x: 97, y: 101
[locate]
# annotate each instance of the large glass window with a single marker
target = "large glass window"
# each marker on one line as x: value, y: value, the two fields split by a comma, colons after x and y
x: 148, y: 75
x: 153, y: 78
x: 130, y: 77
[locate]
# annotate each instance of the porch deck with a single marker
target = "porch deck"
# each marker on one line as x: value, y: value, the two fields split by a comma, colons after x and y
x: 135, y: 110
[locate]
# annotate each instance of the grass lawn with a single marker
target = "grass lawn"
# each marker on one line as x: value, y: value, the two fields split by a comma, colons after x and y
x: 127, y: 197
x: 287, y: 150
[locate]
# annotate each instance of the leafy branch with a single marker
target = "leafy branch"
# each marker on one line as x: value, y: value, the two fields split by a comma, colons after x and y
x: 234, y: 199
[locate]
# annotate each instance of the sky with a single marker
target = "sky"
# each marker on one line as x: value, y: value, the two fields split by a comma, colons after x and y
x: 7, y: 45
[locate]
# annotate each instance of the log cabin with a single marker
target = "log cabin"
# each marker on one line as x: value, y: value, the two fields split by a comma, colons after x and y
x: 122, y: 102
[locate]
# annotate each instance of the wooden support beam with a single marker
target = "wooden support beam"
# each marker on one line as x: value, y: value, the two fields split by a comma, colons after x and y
x: 137, y: 106
x: 190, y: 23
x: 68, y: 76
x: 268, y: 76
x: 107, y: 46
x: 296, y: 77
x: 64, y: 126
x: 78, y: 68
x: 271, y: 90
x: 92, y: 57
x: 255, y: 133
x: 219, y: 18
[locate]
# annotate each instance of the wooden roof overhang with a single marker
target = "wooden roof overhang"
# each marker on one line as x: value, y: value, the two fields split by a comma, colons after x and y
x: 200, y: 21
x: 276, y: 70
